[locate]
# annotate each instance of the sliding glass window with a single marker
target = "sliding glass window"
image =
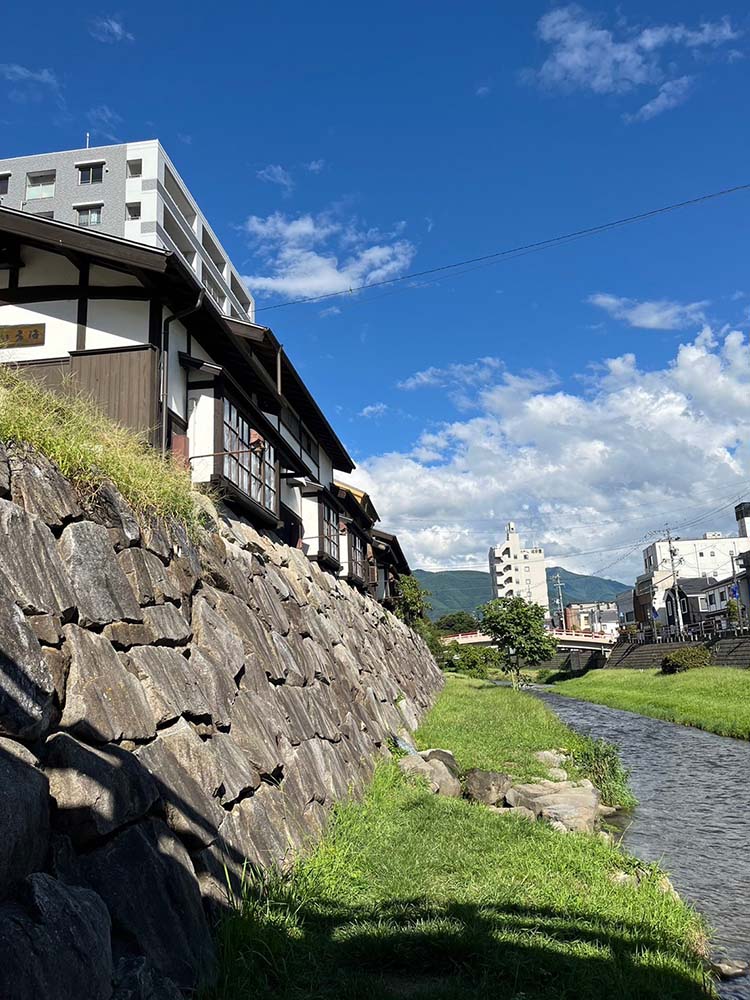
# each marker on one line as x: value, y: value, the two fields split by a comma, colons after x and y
x: 250, y: 462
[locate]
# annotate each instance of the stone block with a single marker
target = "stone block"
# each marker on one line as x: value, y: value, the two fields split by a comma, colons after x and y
x: 24, y: 814
x: 172, y: 687
x: 148, y: 576
x: 55, y: 943
x: 38, y: 487
x: 97, y: 790
x: 137, y: 979
x: 188, y: 777
x: 102, y: 590
x: 104, y: 701
x: 47, y: 629
x: 238, y: 776
x: 108, y: 507
x: 488, y: 787
x: 26, y: 684
x: 31, y: 571
x: 146, y: 878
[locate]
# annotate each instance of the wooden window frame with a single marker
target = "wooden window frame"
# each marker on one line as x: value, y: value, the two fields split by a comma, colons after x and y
x: 329, y: 543
x: 357, y: 552
x: 254, y: 474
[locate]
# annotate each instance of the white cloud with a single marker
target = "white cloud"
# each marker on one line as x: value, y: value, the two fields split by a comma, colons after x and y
x: 671, y: 95
x: 30, y: 84
x: 375, y: 410
x: 579, y: 472
x: 322, y: 254
x: 586, y: 55
x: 110, y: 29
x: 315, y: 166
x: 330, y: 311
x: 661, y: 314
x: 483, y: 91
x: 461, y: 374
x: 274, y: 173
x: 103, y: 121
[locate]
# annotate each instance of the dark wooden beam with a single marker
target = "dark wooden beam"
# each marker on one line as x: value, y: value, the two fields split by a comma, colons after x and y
x: 60, y: 293
x: 83, y: 305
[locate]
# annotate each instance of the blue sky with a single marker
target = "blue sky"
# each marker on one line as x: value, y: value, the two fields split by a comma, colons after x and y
x: 332, y: 145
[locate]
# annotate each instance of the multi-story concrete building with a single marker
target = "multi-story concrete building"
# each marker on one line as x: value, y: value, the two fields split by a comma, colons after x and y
x: 131, y: 190
x: 518, y: 572
x: 711, y: 556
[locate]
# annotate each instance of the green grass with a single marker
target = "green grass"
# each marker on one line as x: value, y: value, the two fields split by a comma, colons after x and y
x: 496, y: 728
x: 89, y: 448
x: 713, y: 698
x: 412, y: 895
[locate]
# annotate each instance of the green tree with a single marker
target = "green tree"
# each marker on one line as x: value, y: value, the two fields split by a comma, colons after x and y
x: 412, y: 602
x: 517, y: 630
x: 733, y: 611
x: 456, y: 622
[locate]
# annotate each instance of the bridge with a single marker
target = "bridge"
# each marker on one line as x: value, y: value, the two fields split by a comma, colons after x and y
x: 591, y: 641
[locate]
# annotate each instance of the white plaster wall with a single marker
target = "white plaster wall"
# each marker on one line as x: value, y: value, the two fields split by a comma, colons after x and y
x: 108, y: 277
x: 310, y: 522
x: 60, y: 320
x: 201, y: 432
x: 42, y: 268
x: 113, y: 323
x: 177, y: 375
x: 326, y: 469
x: 291, y: 496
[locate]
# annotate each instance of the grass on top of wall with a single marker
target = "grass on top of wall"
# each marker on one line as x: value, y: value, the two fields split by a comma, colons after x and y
x: 716, y: 699
x: 495, y: 728
x: 89, y: 448
x: 413, y: 896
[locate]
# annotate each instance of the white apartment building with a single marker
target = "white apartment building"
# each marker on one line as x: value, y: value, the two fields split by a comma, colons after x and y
x: 518, y: 572
x: 131, y: 190
x: 711, y: 555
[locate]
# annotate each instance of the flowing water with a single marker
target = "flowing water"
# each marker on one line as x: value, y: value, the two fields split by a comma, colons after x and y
x: 693, y: 816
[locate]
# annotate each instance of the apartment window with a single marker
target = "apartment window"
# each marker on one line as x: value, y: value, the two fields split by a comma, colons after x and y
x: 40, y: 185
x: 683, y: 605
x: 89, y: 215
x: 722, y: 595
x: 44, y: 215
x: 700, y: 555
x: 356, y: 555
x: 527, y: 569
x: 134, y: 168
x: 251, y: 462
x: 133, y: 211
x: 4, y: 179
x: 329, y: 531
x: 213, y: 288
x: 712, y: 600
x: 712, y: 554
x: 91, y: 173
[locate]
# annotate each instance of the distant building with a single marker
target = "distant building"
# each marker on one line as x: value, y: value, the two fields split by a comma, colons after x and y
x: 712, y: 555
x: 518, y: 572
x: 624, y: 605
x: 591, y: 616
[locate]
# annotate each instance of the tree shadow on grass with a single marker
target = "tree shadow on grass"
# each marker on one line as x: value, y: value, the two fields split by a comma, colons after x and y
x: 413, y: 948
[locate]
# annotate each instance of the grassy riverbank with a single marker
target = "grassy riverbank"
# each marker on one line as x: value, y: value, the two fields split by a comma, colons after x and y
x: 713, y: 698
x: 412, y: 895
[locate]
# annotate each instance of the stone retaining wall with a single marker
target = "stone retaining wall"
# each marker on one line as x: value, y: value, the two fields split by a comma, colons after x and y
x: 168, y: 710
x: 733, y: 652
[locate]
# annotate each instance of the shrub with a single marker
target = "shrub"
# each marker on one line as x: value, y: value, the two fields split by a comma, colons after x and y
x: 474, y: 661
x: 600, y: 762
x: 686, y: 658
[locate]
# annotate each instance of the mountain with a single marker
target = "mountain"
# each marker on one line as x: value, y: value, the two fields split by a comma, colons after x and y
x: 580, y: 588
x: 455, y: 590
x: 465, y: 590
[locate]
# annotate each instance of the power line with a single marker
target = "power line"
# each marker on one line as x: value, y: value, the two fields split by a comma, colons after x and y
x: 515, y: 251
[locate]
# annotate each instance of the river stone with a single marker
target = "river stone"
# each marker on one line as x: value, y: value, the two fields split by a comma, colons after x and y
x: 148, y: 576
x: 437, y: 775
x: 137, y: 979
x: 26, y: 684
x: 54, y: 941
x: 102, y: 589
x: 730, y: 968
x: 575, y: 806
x: 24, y: 814
x: 443, y: 755
x: 551, y: 758
x: 108, y: 507
x: 171, y: 686
x: 104, y: 702
x: 488, y: 787
x: 188, y: 776
x: 97, y: 790
x: 31, y: 571
x: 38, y: 487
x: 146, y: 878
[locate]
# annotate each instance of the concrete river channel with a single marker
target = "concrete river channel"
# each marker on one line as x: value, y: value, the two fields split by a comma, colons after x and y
x: 693, y: 813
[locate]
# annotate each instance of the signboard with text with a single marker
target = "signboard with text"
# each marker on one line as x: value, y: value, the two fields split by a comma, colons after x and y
x: 22, y: 336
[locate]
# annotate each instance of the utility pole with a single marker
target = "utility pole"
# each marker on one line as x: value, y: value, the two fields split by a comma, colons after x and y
x: 736, y: 591
x: 559, y: 587
x: 678, y: 606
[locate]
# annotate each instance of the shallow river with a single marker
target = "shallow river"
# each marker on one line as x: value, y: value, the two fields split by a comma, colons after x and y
x: 693, y: 816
